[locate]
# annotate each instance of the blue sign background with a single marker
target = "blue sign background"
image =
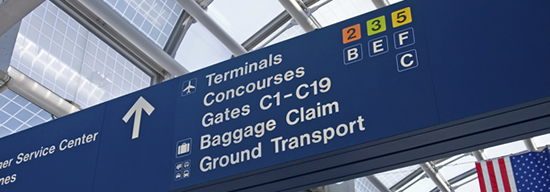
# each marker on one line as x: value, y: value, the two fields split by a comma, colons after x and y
x: 467, y: 58
x: 68, y: 170
x: 389, y: 101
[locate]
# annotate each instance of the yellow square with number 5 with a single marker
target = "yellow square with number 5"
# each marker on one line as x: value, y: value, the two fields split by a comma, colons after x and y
x: 376, y: 25
x: 401, y: 17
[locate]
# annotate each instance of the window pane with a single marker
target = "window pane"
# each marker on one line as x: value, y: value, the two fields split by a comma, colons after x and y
x: 362, y: 184
x: 390, y: 178
x: 339, y: 10
x: 154, y: 18
x: 235, y: 16
x: 71, y: 61
x: 17, y: 113
x: 200, y: 49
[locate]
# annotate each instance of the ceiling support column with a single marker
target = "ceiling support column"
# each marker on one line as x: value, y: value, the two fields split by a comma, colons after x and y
x: 39, y: 95
x: 197, y: 12
x: 14, y: 10
x: 380, y: 3
x: 439, y: 181
x: 298, y: 14
x: 377, y: 183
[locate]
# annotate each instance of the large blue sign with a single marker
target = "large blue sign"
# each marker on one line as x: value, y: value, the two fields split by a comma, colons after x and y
x: 409, y: 66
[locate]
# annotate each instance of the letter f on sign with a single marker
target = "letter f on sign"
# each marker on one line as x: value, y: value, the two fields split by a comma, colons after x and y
x: 140, y: 104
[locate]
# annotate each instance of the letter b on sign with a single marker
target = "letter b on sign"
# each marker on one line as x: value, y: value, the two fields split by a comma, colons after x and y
x: 353, y: 54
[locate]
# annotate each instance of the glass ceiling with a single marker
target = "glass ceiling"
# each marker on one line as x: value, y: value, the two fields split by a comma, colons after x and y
x: 59, y: 53
x: 154, y: 18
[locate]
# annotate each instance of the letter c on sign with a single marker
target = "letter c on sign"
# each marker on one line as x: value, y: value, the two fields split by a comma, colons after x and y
x: 403, y: 60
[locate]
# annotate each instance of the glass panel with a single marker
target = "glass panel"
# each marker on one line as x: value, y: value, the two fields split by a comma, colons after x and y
x: 62, y: 55
x: 457, y: 167
x: 200, y: 49
x: 291, y: 32
x: 467, y: 185
x: 17, y: 113
x: 328, y: 14
x: 270, y: 40
x: 362, y: 184
x: 339, y: 10
x: 234, y: 16
x: 424, y: 184
x: 390, y: 178
x: 154, y: 18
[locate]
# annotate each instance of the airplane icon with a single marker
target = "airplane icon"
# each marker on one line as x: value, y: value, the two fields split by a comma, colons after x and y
x: 189, y: 87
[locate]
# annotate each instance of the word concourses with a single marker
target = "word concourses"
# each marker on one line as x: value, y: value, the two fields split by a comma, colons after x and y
x: 211, y: 97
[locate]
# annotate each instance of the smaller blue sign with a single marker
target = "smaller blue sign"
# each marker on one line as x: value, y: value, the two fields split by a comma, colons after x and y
x: 353, y: 54
x: 403, y: 38
x: 183, y: 148
x: 378, y: 46
x: 189, y: 87
x: 407, y: 60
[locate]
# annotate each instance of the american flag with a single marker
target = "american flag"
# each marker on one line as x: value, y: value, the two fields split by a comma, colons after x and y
x: 518, y: 173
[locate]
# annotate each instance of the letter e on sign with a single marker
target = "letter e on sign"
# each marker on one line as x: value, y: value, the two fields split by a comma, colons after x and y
x: 401, y: 17
x: 351, y: 33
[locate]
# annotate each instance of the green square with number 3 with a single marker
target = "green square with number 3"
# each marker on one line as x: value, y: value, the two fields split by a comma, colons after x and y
x: 376, y: 25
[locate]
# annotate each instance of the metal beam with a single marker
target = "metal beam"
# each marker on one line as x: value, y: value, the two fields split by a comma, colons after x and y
x: 530, y: 144
x: 180, y: 29
x: 105, y: 15
x: 7, y: 43
x: 439, y: 181
x: 459, y: 178
x: 266, y: 30
x: 479, y: 155
x: 200, y: 15
x: 380, y: 3
x: 270, y: 28
x: 39, y: 95
x: 377, y: 183
x: 4, y: 79
x: 13, y: 11
x: 400, y: 184
x: 176, y: 37
x: 412, y: 175
x: 122, y: 36
x: 294, y: 9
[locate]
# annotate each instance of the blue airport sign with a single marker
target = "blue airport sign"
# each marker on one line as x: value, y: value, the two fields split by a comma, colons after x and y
x: 400, y: 69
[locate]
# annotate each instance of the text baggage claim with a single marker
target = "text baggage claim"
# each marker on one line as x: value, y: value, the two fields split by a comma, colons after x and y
x: 260, y: 129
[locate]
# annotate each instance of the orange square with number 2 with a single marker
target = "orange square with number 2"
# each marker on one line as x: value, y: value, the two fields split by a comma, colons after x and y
x: 352, y: 33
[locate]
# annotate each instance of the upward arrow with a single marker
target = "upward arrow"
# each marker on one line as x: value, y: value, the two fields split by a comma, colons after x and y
x: 141, y: 103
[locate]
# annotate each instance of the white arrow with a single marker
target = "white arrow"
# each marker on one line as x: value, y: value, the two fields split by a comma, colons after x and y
x: 141, y: 103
